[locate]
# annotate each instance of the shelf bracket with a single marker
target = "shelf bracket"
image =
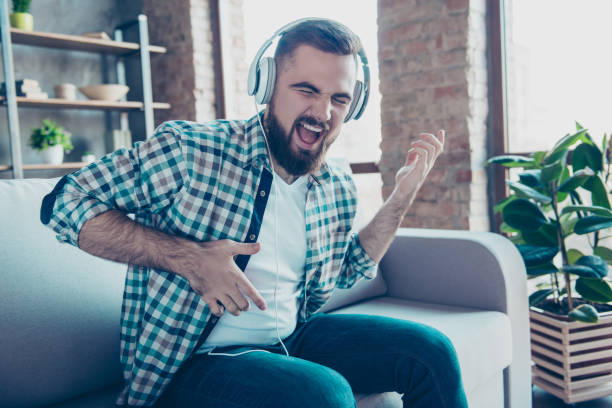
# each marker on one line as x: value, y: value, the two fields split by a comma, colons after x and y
x: 11, y: 97
x: 145, y: 64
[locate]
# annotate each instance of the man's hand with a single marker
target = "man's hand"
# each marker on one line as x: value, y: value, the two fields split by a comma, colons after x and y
x: 208, y: 266
x: 419, y: 160
x: 216, y: 278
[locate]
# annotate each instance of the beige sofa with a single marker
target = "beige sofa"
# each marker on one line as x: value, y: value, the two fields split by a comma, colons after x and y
x: 60, y: 309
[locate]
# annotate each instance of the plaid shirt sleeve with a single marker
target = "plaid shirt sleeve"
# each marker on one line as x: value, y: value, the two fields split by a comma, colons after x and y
x: 144, y: 178
x: 357, y: 263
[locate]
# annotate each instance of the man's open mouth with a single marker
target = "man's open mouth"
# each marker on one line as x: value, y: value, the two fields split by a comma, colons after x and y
x: 308, y: 135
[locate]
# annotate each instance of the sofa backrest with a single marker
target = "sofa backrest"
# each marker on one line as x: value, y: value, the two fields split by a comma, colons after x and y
x: 59, y: 307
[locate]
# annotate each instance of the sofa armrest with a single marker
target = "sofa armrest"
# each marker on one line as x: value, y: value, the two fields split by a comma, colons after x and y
x: 463, y: 268
x: 466, y: 268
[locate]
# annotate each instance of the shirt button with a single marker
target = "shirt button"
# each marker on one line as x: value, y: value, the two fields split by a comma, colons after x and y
x: 252, y: 237
x: 262, y: 193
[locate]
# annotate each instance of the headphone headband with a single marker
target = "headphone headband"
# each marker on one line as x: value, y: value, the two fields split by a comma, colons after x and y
x: 262, y: 74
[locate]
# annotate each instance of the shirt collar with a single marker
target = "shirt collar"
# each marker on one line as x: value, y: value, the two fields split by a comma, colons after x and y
x: 256, y: 152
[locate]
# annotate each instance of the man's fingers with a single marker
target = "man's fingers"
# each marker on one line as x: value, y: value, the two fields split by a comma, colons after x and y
x: 214, y: 305
x: 431, y: 149
x: 230, y: 305
x: 245, y: 249
x: 247, y: 287
x: 240, y: 301
x: 437, y: 141
x: 411, y: 158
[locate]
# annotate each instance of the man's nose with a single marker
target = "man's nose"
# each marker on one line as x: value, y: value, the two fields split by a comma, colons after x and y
x: 321, y: 109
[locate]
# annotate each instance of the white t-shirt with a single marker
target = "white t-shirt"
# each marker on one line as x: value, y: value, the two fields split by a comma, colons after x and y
x: 257, y: 327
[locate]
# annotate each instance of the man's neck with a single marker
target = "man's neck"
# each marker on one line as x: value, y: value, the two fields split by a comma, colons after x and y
x: 278, y: 169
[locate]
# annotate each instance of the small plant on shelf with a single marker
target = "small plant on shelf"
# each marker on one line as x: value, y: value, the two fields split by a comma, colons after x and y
x: 48, y: 135
x: 21, y: 17
x: 21, y: 6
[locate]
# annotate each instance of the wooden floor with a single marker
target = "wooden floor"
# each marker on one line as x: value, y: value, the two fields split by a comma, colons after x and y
x: 542, y: 399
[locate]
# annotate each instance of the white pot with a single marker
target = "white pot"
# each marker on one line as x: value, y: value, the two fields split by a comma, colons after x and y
x: 54, y: 155
x: 88, y: 158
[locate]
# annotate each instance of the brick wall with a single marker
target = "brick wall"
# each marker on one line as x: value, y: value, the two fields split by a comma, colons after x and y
x: 185, y: 75
x: 173, y: 73
x: 433, y: 75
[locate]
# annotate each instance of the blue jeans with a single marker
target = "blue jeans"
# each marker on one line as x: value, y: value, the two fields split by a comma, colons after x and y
x: 332, y: 356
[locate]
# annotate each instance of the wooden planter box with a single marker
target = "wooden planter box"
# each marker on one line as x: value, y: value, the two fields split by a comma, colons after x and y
x: 573, y: 360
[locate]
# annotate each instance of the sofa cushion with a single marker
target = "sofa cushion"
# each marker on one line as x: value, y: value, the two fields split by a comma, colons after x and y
x: 481, y: 338
x: 61, y: 307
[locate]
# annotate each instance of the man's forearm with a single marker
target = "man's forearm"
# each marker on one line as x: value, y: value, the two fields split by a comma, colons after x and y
x: 377, y: 235
x: 113, y: 235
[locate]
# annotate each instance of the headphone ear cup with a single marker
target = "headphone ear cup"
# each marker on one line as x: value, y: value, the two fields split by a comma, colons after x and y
x: 266, y: 79
x: 357, y: 101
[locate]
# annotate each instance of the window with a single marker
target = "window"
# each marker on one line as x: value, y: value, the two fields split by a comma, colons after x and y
x: 558, y: 70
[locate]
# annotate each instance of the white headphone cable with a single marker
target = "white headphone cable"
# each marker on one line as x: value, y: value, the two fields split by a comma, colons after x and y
x: 275, y: 226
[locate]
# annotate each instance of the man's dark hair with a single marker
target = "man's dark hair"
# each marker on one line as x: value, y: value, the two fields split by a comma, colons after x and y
x: 323, y: 34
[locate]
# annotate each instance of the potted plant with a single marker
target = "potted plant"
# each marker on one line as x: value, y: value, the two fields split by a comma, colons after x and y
x: 560, y: 196
x: 21, y: 17
x: 88, y: 157
x: 52, y: 140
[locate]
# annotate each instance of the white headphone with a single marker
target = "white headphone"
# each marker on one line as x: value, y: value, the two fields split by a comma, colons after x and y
x: 262, y: 75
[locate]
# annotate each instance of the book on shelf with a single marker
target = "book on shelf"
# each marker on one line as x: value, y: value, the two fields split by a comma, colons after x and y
x: 26, y: 87
x: 35, y: 95
x: 23, y: 85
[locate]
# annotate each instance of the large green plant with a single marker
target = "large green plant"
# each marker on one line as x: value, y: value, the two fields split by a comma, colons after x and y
x: 553, y: 199
x: 50, y: 134
x: 21, y: 6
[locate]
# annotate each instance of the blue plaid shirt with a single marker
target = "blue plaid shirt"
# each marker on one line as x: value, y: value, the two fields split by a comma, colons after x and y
x: 205, y: 182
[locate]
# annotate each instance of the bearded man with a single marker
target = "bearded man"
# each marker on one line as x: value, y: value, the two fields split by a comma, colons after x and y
x: 226, y: 213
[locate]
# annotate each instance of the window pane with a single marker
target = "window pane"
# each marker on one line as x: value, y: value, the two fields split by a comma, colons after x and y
x: 558, y: 70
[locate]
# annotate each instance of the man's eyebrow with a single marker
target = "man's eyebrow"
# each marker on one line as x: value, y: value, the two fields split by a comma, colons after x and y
x: 314, y: 89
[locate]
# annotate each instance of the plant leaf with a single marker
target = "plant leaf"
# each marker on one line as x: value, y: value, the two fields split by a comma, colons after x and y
x: 539, y: 295
x: 573, y: 255
x: 538, y: 157
x: 546, y: 235
x: 584, y: 313
x: 523, y: 215
x: 569, y: 225
x: 565, y: 174
x: 500, y: 206
x: 597, y: 210
x: 566, y: 142
x: 579, y: 178
x: 599, y: 195
x: 537, y: 255
x: 589, y: 266
x: 507, y: 229
x: 587, y: 155
x: 595, y: 290
x: 529, y: 192
x: 543, y: 269
x: 592, y: 223
x: 510, y: 161
x: 531, y: 178
x: 604, y: 253
x: 552, y: 171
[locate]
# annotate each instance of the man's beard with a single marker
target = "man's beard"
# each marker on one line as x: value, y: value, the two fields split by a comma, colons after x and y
x: 295, y: 163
